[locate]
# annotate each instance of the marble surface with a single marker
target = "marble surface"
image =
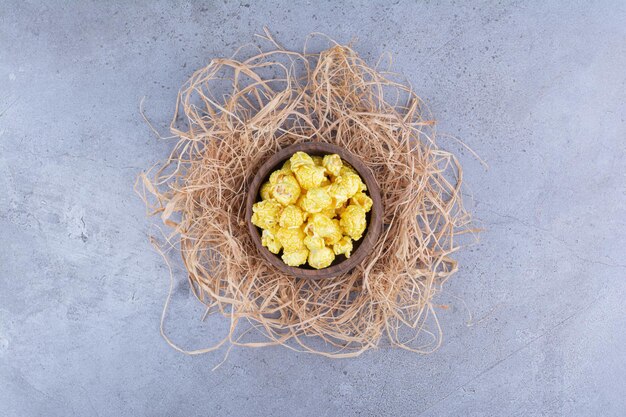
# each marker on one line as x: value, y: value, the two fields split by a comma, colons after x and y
x: 536, y: 88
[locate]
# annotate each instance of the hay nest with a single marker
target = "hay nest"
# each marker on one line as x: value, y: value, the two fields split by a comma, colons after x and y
x: 235, y: 113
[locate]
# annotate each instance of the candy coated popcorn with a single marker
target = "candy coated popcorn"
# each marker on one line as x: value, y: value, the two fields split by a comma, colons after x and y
x: 318, y: 160
x: 363, y: 200
x: 265, y: 214
x: 269, y: 240
x: 266, y: 191
x: 286, y: 190
x: 291, y: 239
x: 343, y: 247
x: 299, y: 159
x: 312, y: 209
x: 329, y: 212
x: 316, y: 200
x: 314, y: 242
x: 279, y: 175
x: 335, y: 235
x: 333, y: 164
x: 291, y: 217
x: 309, y: 176
x: 323, y: 226
x: 353, y: 221
x: 352, y: 183
x: 321, y: 258
x: 296, y: 258
x: 347, y: 168
x: 338, y: 192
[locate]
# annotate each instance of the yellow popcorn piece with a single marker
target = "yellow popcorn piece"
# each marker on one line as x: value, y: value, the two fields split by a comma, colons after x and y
x: 334, y: 233
x: 287, y: 190
x: 266, y: 191
x: 333, y: 164
x: 338, y: 192
x: 296, y: 258
x: 309, y: 229
x: 269, y: 240
x: 321, y: 225
x: 316, y: 200
x: 279, y: 175
x: 361, y: 199
x: 321, y: 258
x: 314, y: 242
x: 324, y: 227
x: 362, y: 186
x: 299, y: 159
x: 352, y: 184
x: 291, y: 239
x: 345, y: 186
x: 265, y: 214
x: 329, y: 212
x: 300, y: 205
x: 343, y: 247
x: 287, y: 165
x: 353, y: 221
x: 318, y: 160
x: 291, y: 217
x: 309, y: 176
x: 300, y: 201
x: 347, y: 169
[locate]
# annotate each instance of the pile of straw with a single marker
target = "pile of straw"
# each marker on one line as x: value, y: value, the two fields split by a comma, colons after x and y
x: 235, y: 113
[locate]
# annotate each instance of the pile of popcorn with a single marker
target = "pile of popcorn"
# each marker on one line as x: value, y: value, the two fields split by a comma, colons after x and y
x: 312, y: 209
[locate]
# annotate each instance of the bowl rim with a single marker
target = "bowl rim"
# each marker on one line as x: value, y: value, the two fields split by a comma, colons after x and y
x: 372, y: 232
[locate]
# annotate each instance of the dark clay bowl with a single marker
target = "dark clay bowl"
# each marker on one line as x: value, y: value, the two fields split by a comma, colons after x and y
x: 362, y: 247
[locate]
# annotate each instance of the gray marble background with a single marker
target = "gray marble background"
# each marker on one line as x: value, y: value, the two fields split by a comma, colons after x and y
x: 537, y: 88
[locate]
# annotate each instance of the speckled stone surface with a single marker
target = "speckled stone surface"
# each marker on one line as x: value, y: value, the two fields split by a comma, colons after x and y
x: 536, y: 88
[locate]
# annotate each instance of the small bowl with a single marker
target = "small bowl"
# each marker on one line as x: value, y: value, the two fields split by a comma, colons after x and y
x: 362, y: 247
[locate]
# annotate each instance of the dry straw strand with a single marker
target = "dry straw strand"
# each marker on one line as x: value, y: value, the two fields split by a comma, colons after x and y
x: 231, y: 116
